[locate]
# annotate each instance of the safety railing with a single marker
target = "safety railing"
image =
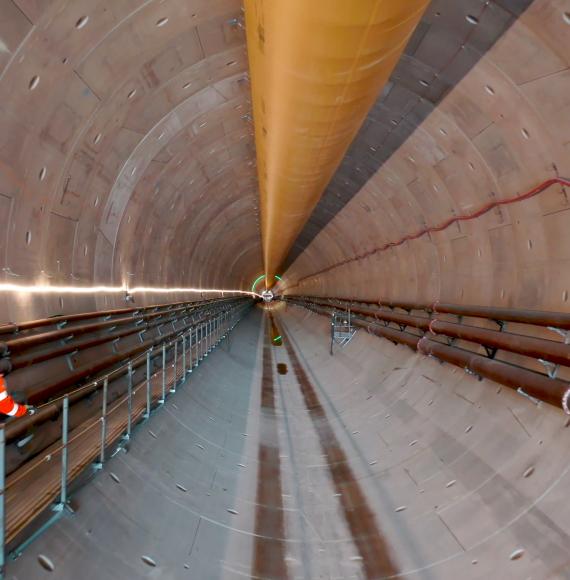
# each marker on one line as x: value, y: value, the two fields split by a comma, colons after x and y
x: 432, y: 335
x: 43, y: 482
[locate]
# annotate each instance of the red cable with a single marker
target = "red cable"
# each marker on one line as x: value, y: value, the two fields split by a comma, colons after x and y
x: 491, y: 205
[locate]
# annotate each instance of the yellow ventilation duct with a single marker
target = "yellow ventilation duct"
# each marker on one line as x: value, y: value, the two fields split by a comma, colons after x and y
x: 317, y: 66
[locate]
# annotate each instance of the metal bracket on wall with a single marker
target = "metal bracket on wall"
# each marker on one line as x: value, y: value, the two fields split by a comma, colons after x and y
x: 491, y: 351
x: 69, y: 360
x: 565, y: 334
x: 529, y: 397
x: 550, y: 368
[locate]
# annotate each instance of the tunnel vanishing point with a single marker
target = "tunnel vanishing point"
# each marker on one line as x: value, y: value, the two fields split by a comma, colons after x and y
x: 284, y: 289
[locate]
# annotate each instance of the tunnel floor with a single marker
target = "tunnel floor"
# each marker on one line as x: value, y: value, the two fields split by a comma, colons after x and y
x: 276, y: 460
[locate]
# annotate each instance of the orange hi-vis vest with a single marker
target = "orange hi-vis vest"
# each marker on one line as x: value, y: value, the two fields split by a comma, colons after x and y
x: 7, y: 405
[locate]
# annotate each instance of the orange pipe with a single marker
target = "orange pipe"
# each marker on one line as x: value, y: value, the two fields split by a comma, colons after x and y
x: 317, y: 66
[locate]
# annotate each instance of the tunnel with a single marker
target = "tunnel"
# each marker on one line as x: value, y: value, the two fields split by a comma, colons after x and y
x: 284, y: 289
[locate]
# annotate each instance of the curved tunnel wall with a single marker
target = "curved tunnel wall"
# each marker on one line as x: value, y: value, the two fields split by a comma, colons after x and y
x: 500, y: 132
x: 127, y: 150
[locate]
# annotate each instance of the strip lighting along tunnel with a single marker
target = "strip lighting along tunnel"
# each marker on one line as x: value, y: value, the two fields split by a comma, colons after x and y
x: 285, y: 289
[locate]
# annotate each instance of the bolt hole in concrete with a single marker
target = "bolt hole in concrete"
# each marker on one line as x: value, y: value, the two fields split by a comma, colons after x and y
x: 46, y: 563
x: 148, y: 561
x: 82, y: 22
x: 517, y: 554
x: 34, y: 82
x: 42, y: 173
x: 566, y: 17
x: 28, y: 238
x: 282, y: 368
x: 528, y: 472
x: 161, y: 22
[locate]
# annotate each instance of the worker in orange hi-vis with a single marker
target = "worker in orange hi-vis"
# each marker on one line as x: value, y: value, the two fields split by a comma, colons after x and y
x: 8, y: 406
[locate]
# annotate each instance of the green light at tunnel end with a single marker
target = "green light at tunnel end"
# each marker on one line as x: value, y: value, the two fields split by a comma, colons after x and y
x: 260, y: 278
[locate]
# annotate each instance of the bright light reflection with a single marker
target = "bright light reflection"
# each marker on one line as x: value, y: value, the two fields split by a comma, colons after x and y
x: 47, y: 289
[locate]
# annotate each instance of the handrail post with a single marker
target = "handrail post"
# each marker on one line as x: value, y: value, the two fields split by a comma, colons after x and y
x: 103, y: 423
x: 190, y: 350
x: 173, y: 388
x: 163, y: 374
x: 208, y: 335
x: 2, y: 502
x: 183, y: 357
x: 198, y: 345
x: 148, y: 385
x: 129, y: 400
x: 64, y: 450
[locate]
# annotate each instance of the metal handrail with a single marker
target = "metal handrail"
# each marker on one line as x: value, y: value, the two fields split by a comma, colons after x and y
x: 210, y: 330
x: 16, y: 428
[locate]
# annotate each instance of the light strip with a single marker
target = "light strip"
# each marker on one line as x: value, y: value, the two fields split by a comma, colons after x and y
x: 47, y: 289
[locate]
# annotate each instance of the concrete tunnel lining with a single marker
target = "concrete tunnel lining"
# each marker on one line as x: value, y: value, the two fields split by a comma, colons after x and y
x: 127, y: 155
